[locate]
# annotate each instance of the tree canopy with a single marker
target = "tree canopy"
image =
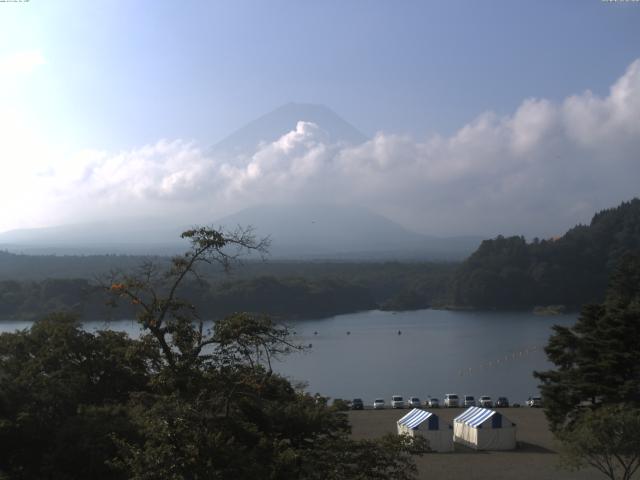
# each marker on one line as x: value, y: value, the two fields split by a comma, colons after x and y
x: 592, y: 397
x: 181, y: 402
x: 597, y: 360
x: 571, y: 270
x: 607, y: 439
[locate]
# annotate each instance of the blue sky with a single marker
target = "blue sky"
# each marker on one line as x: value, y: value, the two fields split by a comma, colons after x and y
x: 125, y: 73
x: 116, y: 76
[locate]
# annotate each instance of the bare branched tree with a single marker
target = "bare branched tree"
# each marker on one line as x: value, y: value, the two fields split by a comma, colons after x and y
x: 153, y: 289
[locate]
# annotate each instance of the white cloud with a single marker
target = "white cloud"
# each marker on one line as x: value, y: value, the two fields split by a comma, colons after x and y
x: 537, y: 171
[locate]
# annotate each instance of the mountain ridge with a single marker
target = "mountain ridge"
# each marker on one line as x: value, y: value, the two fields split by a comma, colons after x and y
x: 301, y: 232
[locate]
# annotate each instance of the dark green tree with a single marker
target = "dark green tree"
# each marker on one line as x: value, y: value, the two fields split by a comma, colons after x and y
x: 62, y: 394
x: 569, y: 270
x: 598, y: 359
x: 607, y: 439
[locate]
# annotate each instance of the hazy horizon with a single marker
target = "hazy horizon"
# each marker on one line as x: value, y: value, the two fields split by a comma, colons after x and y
x: 515, y: 119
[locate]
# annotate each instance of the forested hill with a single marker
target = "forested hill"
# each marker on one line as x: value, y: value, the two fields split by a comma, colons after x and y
x: 571, y: 270
x: 30, y: 287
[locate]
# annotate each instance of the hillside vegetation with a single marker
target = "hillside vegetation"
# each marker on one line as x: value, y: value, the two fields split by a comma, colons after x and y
x: 503, y: 273
x: 508, y: 272
x: 283, y: 290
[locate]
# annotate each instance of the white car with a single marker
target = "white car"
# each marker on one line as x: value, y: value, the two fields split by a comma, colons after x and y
x: 414, y: 402
x: 451, y: 400
x: 534, y: 402
x: 485, y: 401
x: 469, y: 401
x: 397, y: 402
x: 378, y: 404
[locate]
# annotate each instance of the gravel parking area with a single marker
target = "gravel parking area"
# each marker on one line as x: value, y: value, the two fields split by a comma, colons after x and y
x: 535, y: 458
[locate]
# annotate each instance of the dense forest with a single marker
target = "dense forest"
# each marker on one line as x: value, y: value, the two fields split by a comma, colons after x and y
x: 570, y: 270
x: 283, y: 290
x: 504, y: 273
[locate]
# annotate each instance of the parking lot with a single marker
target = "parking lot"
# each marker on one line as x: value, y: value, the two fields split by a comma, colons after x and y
x: 535, y: 458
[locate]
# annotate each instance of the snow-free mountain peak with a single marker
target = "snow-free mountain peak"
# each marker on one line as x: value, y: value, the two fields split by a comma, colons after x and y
x: 273, y: 125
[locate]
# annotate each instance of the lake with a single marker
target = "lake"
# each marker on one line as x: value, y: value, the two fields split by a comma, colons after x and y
x: 424, y: 353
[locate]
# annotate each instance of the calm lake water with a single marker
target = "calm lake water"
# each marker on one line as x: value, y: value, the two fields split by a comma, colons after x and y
x: 436, y: 352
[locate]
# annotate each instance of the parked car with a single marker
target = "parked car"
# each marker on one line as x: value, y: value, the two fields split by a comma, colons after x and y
x: 502, y: 402
x: 414, y: 402
x: 357, y: 404
x: 397, y: 401
x: 469, y: 401
x: 485, y: 401
x: 432, y: 403
x: 534, y: 402
x: 378, y: 403
x: 451, y: 400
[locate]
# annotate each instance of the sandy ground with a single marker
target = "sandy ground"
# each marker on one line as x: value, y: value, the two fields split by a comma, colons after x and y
x: 535, y: 457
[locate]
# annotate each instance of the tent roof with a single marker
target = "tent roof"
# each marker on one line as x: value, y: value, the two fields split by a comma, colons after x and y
x: 474, y: 416
x: 414, y: 418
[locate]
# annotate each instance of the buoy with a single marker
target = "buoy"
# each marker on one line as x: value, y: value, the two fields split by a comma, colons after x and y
x: 348, y: 333
x: 315, y: 333
x: 399, y: 332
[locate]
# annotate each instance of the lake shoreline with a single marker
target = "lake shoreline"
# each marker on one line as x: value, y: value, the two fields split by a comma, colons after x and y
x: 541, y: 310
x: 428, y: 352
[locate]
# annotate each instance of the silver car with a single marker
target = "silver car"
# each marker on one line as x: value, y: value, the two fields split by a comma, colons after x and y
x: 451, y: 400
x: 397, y: 402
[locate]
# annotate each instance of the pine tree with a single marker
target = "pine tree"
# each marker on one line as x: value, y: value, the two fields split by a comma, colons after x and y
x: 598, y: 359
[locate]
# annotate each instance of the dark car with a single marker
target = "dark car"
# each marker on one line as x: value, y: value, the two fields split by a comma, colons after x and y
x: 502, y: 402
x: 357, y: 404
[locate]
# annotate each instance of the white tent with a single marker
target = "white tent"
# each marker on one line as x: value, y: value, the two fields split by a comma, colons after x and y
x: 484, y: 429
x: 426, y: 424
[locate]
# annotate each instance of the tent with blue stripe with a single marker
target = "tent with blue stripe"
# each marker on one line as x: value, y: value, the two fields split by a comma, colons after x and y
x: 484, y: 429
x: 427, y: 424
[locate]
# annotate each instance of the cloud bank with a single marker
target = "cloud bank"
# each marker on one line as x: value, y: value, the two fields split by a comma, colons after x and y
x: 536, y: 171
